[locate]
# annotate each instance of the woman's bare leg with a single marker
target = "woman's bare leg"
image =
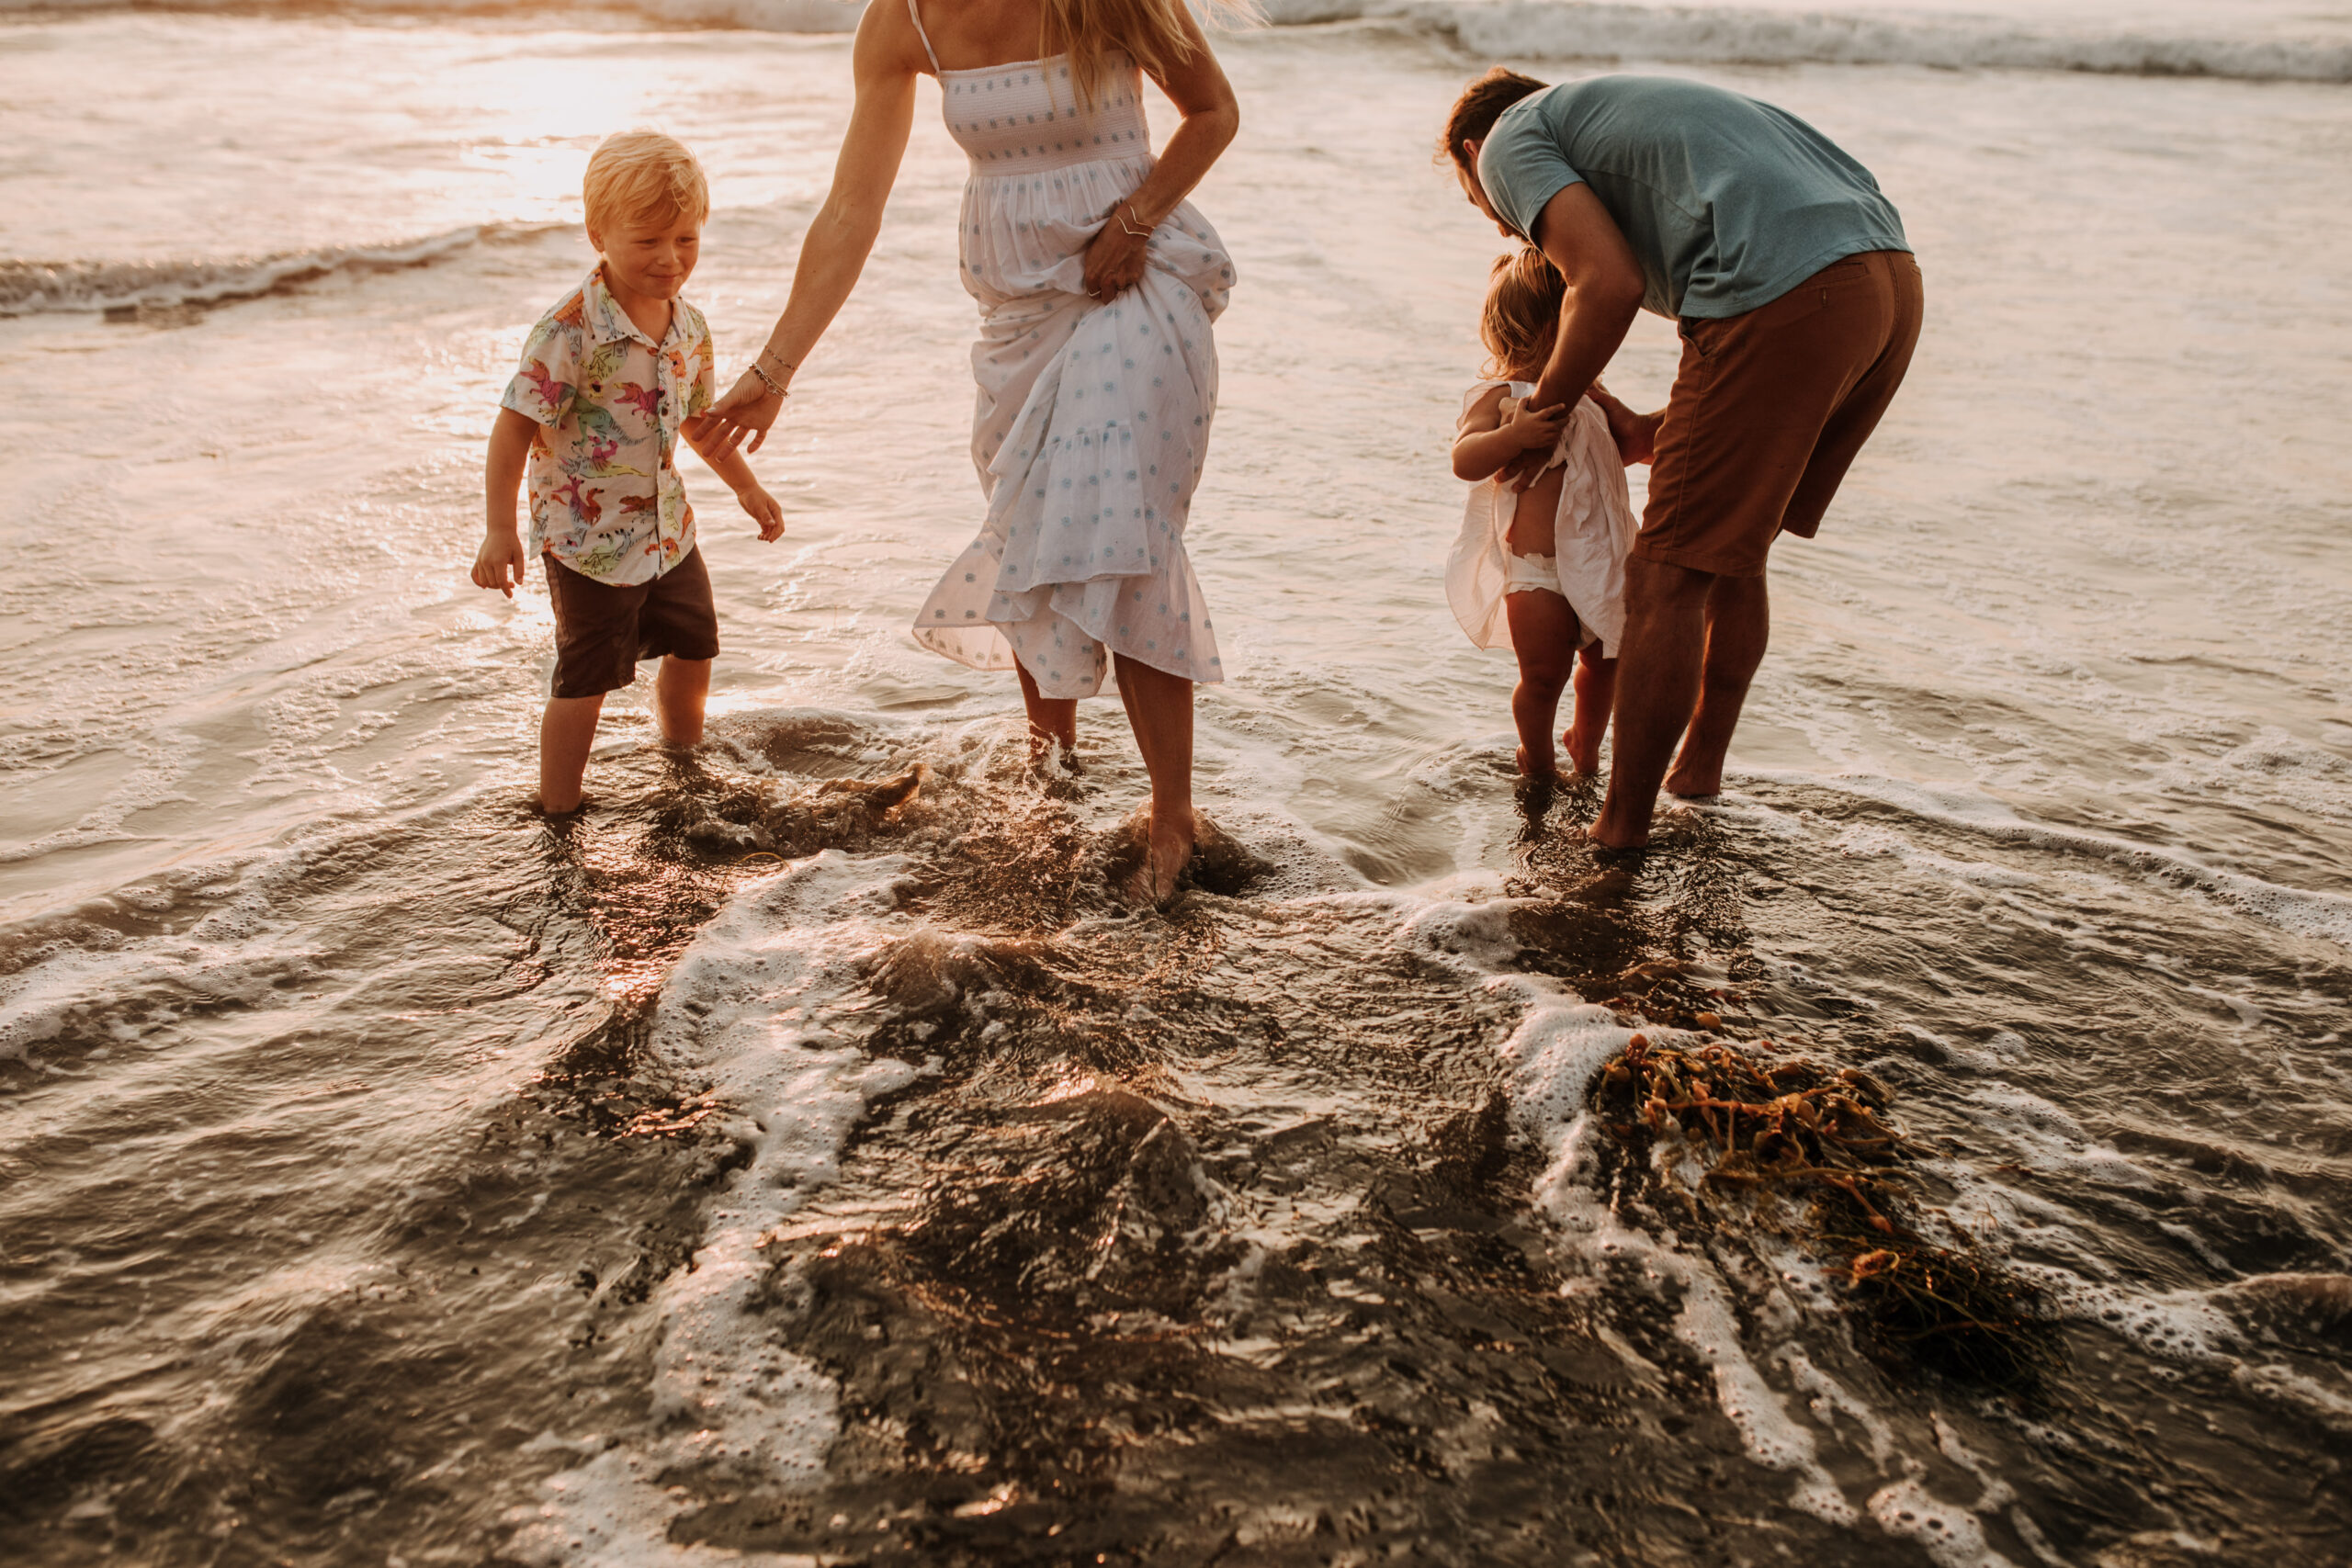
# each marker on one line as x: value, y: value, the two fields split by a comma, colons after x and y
x: 1160, y: 706
x: 1053, y: 721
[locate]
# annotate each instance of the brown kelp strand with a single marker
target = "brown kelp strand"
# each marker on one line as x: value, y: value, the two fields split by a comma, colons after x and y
x: 1788, y: 1127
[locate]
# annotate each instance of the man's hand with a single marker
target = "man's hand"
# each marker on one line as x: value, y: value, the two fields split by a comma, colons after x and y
x: 1538, y: 434
x: 765, y: 510
x: 1634, y: 433
x: 501, y: 554
x: 1535, y: 428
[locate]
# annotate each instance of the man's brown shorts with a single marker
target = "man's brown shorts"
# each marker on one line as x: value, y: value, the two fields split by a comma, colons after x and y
x: 602, y: 629
x: 1769, y: 410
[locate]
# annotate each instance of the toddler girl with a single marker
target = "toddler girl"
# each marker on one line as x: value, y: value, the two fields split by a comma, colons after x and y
x: 1541, y: 570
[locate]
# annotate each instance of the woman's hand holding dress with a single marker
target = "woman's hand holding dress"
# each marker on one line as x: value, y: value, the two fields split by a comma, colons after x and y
x: 1115, y: 258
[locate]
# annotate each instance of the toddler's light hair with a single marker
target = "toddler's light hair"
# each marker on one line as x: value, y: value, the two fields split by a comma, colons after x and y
x: 1524, y: 294
x: 637, y: 176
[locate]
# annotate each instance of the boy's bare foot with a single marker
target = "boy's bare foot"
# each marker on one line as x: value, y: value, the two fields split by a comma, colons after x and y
x: 1584, y: 751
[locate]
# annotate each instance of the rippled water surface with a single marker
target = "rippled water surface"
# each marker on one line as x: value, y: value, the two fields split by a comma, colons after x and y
x: 770, y: 1167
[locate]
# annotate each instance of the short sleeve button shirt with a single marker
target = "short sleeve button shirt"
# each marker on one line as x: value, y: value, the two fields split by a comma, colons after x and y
x: 1726, y: 203
x: 606, y: 496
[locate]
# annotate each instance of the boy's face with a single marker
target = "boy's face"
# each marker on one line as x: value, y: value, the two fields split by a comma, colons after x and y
x: 650, y: 257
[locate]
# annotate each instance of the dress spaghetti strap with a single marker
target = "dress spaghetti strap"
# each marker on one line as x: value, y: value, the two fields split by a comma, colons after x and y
x: 914, y: 12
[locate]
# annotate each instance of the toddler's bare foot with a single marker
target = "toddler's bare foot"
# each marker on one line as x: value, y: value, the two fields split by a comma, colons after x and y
x: 1549, y: 772
x: 1584, y: 751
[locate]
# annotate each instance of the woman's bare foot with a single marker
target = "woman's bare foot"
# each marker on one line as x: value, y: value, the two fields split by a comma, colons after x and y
x: 1171, y: 851
x: 1584, y: 751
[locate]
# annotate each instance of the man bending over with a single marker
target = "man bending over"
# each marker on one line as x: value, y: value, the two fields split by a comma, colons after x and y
x: 1799, y: 305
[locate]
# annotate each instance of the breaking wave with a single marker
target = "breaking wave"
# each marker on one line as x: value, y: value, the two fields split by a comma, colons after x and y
x: 28, y: 288
x: 1705, y: 36
x: 1569, y: 29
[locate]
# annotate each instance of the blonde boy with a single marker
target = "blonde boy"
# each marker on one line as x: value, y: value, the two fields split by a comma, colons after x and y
x: 610, y: 378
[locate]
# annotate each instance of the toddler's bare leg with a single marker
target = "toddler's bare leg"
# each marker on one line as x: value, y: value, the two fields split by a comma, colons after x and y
x: 1544, y: 633
x: 1052, y: 720
x: 567, y: 731
x: 1160, y: 706
x: 681, y: 692
x: 1596, y: 688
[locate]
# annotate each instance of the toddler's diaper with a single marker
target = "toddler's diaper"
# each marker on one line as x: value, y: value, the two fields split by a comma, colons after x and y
x: 1532, y: 574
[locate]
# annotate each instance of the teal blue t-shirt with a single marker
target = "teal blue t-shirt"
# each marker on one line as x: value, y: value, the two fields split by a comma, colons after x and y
x: 1727, y: 203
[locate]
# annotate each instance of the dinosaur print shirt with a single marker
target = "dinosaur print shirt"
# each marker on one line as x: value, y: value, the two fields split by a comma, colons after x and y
x: 606, y: 496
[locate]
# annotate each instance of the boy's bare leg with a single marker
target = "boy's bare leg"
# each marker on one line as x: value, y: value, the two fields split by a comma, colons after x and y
x: 1657, y: 687
x: 567, y: 731
x: 681, y: 692
x: 1596, y: 687
x: 1544, y: 635
x: 1160, y: 706
x: 1739, y: 624
x: 1053, y: 721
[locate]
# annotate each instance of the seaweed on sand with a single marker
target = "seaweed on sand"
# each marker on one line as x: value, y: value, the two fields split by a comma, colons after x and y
x: 1784, y: 1125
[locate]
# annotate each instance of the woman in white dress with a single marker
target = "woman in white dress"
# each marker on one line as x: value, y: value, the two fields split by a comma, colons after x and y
x: 1097, y: 283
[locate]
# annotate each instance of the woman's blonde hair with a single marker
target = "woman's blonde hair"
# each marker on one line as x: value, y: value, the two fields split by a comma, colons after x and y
x: 1152, y: 32
x: 1524, y: 294
x: 639, y: 176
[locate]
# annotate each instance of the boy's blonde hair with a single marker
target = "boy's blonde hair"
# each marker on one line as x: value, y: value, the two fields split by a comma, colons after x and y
x: 642, y: 176
x: 1524, y: 294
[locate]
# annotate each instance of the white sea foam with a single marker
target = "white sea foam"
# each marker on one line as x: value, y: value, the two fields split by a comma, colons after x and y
x: 748, y: 1004
x: 2304, y: 911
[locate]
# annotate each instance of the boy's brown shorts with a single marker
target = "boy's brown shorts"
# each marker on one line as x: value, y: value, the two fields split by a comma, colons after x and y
x: 602, y: 629
x: 1769, y: 410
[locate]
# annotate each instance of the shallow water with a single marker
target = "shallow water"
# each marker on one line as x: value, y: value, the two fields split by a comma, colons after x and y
x: 393, y: 1177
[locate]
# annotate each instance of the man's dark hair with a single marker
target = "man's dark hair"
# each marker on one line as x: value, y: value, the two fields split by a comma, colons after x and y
x: 1481, y: 103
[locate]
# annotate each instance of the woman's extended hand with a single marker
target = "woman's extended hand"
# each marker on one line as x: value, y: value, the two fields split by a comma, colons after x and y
x: 1116, y: 257
x: 748, y: 409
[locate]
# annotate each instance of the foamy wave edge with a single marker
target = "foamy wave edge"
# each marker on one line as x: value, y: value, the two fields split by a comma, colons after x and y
x: 31, y: 287
x: 1552, y: 29
x: 1699, y: 36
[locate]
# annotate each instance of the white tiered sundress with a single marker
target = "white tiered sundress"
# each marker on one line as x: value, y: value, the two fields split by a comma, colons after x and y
x: 1092, y: 417
x: 1592, y: 533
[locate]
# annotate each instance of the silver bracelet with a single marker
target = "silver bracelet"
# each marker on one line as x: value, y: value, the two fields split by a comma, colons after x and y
x: 767, y: 380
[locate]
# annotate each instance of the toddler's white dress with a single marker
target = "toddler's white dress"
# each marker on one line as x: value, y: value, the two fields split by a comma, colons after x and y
x: 1093, y: 417
x: 1590, y: 535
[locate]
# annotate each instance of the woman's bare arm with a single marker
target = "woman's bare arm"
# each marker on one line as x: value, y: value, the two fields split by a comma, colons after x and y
x: 1114, y: 262
x: 834, y: 252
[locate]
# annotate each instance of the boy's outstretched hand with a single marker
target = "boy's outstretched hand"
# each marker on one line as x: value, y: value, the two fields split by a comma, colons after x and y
x: 764, y: 509
x: 500, y: 555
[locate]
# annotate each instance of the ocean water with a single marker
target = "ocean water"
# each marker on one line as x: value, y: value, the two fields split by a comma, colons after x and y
x: 742, y: 1174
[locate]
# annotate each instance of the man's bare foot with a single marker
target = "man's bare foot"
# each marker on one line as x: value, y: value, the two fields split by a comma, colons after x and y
x: 1584, y: 751
x: 1616, y: 828
x: 1693, y: 780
